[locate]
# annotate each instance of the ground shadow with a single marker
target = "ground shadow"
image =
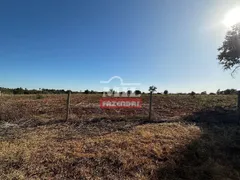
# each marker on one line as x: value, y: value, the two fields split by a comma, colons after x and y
x: 215, y: 155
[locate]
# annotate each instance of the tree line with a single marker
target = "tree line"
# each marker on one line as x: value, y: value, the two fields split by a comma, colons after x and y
x: 137, y: 92
x: 32, y: 91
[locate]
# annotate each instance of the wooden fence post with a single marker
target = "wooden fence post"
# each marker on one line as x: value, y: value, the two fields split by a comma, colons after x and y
x: 68, y: 105
x: 150, y: 106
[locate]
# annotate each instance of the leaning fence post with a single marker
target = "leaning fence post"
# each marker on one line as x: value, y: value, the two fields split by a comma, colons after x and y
x: 68, y: 105
x: 150, y: 106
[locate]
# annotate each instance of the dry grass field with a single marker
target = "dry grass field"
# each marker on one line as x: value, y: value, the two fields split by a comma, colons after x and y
x: 190, y: 137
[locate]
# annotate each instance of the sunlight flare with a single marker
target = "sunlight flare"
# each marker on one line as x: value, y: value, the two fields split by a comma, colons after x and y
x: 232, y: 17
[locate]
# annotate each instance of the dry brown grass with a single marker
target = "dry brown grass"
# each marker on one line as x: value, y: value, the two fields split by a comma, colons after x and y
x: 44, y: 152
x: 117, y: 146
x: 52, y: 107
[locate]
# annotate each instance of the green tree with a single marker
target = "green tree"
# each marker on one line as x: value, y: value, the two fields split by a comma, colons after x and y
x: 192, y: 93
x: 137, y: 92
x: 129, y: 92
x: 204, y: 93
x: 86, y: 91
x: 165, y: 92
x: 18, y: 91
x: 152, y: 88
x: 229, y: 52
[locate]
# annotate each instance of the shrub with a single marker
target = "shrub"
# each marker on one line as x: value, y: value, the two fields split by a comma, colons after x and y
x: 39, y: 96
x: 86, y: 91
x: 137, y: 92
x: 192, y: 93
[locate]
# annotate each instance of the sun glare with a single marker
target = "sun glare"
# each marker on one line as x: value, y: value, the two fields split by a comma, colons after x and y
x: 232, y: 17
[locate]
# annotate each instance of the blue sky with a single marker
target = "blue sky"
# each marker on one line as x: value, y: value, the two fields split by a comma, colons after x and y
x: 75, y: 44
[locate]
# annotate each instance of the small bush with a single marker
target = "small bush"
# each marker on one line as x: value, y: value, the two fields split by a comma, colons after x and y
x: 192, y: 93
x: 39, y: 96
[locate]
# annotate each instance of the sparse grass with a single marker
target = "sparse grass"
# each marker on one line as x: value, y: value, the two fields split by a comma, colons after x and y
x: 45, y: 152
x: 83, y: 107
x: 203, y: 143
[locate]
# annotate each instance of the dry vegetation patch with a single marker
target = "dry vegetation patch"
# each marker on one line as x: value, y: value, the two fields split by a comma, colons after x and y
x: 41, y: 152
x: 106, y: 144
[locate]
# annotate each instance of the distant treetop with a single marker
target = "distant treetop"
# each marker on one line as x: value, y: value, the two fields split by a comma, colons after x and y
x: 152, y: 88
